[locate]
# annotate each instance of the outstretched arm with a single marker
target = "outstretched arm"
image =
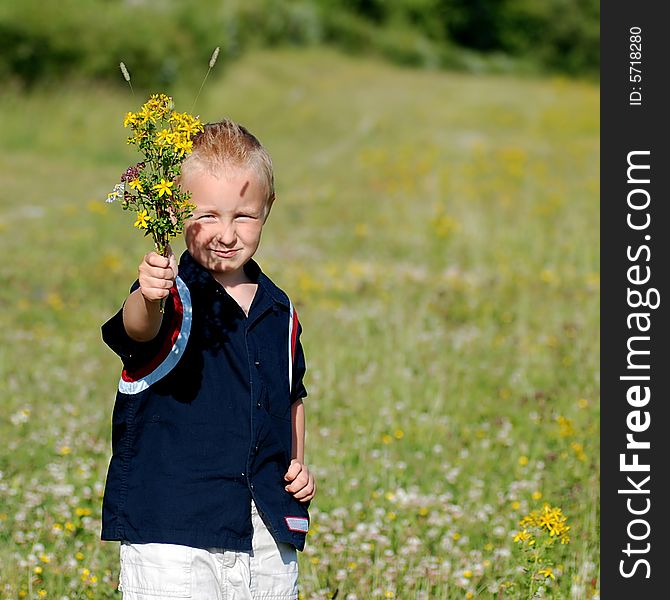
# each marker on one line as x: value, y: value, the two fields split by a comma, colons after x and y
x: 142, y: 316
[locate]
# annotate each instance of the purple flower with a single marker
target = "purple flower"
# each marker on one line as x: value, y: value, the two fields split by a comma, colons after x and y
x: 132, y: 173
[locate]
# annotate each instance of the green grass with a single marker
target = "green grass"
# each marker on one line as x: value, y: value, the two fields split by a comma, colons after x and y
x: 439, y: 235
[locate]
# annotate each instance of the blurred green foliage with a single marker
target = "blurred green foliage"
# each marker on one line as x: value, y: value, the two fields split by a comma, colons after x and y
x: 163, y: 40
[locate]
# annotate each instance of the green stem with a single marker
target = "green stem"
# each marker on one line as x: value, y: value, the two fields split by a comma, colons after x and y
x: 532, y: 575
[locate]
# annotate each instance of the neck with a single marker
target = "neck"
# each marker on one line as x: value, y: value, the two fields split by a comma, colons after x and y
x: 234, y: 279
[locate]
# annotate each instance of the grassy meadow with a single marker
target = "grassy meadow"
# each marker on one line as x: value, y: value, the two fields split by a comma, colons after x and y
x: 439, y: 234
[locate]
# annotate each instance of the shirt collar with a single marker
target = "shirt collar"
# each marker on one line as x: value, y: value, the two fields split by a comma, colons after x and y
x: 193, y: 273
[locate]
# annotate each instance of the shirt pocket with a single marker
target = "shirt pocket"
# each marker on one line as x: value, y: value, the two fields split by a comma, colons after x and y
x: 274, y: 394
x: 161, y: 570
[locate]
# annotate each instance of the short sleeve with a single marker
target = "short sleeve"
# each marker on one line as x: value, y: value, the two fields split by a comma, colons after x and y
x: 298, y: 390
x: 133, y: 354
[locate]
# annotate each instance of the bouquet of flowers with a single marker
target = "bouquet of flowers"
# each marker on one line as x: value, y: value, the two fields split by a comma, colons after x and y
x: 164, y: 137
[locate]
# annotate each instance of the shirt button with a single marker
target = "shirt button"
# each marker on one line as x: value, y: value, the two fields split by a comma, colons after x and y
x: 251, y: 486
x: 258, y: 404
x: 257, y: 363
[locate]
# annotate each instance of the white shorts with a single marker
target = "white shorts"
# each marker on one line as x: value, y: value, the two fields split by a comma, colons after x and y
x: 268, y: 572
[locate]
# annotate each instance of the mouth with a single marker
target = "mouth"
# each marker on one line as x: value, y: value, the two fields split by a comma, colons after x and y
x: 225, y: 253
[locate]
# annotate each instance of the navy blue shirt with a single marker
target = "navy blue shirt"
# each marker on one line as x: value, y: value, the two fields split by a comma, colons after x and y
x: 202, y: 418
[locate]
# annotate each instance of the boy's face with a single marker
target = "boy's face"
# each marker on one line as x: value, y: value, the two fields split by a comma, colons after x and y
x: 225, y: 228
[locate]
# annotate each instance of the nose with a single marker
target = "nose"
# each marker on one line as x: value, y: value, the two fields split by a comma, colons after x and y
x: 226, y: 233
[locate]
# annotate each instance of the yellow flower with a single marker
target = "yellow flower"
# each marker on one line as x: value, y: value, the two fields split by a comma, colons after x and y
x: 547, y: 572
x: 550, y: 519
x: 523, y: 461
x: 130, y: 119
x: 142, y: 222
x: 399, y: 434
x: 467, y: 574
x: 136, y: 184
x: 537, y: 495
x: 522, y: 537
x: 164, y: 137
x: 42, y: 593
x: 82, y: 512
x: 164, y: 187
x: 37, y: 570
x: 183, y: 145
x: 79, y: 556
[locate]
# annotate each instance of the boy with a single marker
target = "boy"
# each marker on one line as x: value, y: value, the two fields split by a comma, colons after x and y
x: 207, y: 489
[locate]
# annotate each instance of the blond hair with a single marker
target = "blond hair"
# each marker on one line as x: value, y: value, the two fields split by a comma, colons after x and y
x: 226, y: 144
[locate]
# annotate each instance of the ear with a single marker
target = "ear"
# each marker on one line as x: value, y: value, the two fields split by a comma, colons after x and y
x: 268, y: 205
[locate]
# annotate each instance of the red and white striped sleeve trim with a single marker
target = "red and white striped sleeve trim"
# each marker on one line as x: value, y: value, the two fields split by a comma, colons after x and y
x: 172, y: 350
x: 292, y: 339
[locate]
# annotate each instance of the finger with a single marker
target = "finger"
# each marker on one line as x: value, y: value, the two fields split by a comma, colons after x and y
x: 293, y: 471
x: 157, y: 272
x: 160, y: 283
x: 164, y: 271
x: 298, y: 483
x: 154, y: 294
x: 307, y: 493
x: 304, y: 493
x: 156, y: 260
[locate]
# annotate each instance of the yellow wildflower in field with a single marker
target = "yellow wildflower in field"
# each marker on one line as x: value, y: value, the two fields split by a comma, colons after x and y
x: 522, y: 537
x: 523, y: 460
x: 143, y: 219
x: 547, y: 572
x: 578, y: 450
x: 549, y: 519
x: 537, y: 494
x: 136, y: 185
x: 82, y: 512
x: 565, y: 427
